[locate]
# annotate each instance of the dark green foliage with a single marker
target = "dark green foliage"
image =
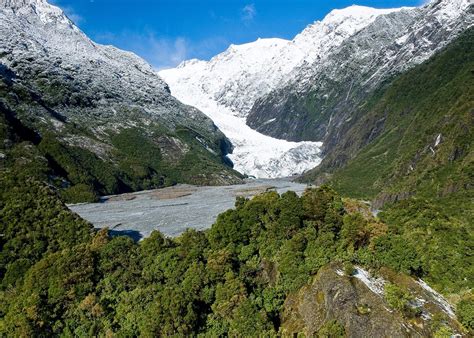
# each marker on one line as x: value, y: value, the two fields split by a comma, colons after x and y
x: 465, y: 313
x: 400, y: 300
x: 225, y: 281
x: 33, y: 222
x: 79, y: 193
x: 432, y: 239
x: 139, y: 164
x: 231, y: 280
x: 395, y: 252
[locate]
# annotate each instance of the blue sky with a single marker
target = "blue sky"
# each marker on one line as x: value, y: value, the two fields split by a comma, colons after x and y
x: 166, y: 32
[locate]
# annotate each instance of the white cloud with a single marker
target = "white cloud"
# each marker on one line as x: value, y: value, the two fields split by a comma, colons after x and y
x: 249, y: 12
x: 162, y: 52
x: 166, y: 53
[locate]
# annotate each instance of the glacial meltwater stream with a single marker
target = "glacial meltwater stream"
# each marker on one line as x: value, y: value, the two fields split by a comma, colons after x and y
x: 172, y: 210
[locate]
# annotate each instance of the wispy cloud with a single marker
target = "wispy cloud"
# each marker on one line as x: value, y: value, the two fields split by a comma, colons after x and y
x: 168, y: 53
x: 248, y: 12
x: 161, y: 52
x: 69, y: 11
x: 73, y: 16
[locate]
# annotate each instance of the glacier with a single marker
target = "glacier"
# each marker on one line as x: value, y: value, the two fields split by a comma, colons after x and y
x: 226, y: 87
x: 254, y: 154
x: 250, y: 84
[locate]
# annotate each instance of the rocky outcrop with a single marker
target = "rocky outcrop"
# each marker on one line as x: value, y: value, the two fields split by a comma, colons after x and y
x: 357, y: 304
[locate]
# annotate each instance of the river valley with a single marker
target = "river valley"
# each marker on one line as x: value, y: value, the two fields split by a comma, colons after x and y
x: 174, y: 209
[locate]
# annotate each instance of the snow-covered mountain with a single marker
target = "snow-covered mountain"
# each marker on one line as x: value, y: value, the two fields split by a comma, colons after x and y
x: 226, y: 87
x: 243, y: 73
x: 37, y: 37
x: 302, y: 89
x: 57, y: 81
x: 321, y: 97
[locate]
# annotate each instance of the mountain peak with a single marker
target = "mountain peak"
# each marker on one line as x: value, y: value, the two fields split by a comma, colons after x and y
x: 354, y: 17
x: 357, y: 11
x: 46, y: 12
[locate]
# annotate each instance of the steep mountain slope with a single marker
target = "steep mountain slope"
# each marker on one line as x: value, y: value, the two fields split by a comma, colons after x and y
x: 415, y: 136
x: 320, y: 102
x: 243, y: 73
x: 102, y: 117
x: 226, y: 87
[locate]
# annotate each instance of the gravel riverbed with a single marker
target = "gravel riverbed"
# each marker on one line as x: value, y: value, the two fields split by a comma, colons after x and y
x: 172, y: 210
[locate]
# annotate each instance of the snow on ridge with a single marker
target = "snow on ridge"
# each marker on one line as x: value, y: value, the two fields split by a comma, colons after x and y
x: 376, y: 285
x: 46, y: 12
x: 226, y: 87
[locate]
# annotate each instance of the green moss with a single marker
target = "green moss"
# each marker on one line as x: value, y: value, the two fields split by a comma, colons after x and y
x: 400, y: 300
x: 331, y: 329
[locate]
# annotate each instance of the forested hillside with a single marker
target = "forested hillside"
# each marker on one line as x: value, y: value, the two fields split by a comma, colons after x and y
x: 102, y: 118
x: 59, y: 278
x: 413, y: 138
x: 328, y: 263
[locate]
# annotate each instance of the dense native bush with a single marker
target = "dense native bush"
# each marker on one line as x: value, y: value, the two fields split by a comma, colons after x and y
x: 58, y: 278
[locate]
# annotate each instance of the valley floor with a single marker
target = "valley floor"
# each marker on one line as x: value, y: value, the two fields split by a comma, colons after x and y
x: 172, y: 210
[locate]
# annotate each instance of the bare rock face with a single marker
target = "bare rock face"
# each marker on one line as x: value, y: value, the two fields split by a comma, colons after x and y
x: 357, y: 304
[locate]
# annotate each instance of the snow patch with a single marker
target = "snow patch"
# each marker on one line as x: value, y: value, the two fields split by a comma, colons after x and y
x: 438, y: 140
x: 439, y: 299
x: 376, y: 285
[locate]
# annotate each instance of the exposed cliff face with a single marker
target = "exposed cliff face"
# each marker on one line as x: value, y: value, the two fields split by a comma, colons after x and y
x: 321, y: 101
x: 357, y: 304
x: 58, y: 82
x: 323, y: 95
